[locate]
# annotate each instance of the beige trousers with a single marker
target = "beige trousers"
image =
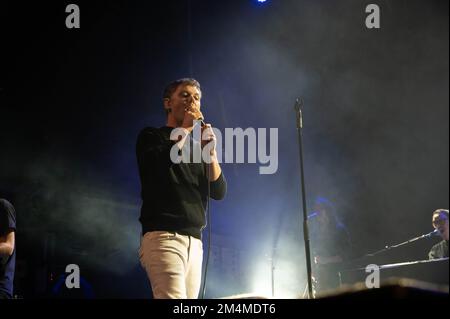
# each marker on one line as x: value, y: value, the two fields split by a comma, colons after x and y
x: 173, y: 263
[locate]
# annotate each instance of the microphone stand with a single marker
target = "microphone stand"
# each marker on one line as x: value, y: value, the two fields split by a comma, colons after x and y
x: 299, y: 122
x: 401, y: 244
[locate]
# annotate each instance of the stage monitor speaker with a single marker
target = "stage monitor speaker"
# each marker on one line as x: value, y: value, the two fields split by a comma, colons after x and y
x: 392, y: 288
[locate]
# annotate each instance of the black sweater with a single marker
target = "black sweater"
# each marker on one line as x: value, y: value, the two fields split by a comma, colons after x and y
x: 174, y: 196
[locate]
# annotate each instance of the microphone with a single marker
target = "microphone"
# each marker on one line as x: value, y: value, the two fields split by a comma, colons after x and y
x: 202, y: 121
x: 435, y: 232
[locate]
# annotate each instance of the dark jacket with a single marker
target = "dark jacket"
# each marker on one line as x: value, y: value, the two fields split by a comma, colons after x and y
x: 174, y: 196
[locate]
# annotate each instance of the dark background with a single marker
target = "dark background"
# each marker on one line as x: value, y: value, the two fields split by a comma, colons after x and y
x: 72, y: 101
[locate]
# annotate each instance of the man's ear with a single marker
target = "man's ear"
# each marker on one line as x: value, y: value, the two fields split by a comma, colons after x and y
x: 166, y: 102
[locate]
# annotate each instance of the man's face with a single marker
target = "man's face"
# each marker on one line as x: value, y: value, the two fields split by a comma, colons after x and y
x: 185, y: 97
x: 440, y: 222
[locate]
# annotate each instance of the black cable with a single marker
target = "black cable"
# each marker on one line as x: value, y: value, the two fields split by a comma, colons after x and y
x: 208, y: 217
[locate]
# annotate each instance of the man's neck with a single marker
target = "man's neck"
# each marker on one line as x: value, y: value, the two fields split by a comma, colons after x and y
x: 172, y: 123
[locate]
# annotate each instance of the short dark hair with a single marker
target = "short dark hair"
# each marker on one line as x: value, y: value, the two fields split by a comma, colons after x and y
x: 173, y: 86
